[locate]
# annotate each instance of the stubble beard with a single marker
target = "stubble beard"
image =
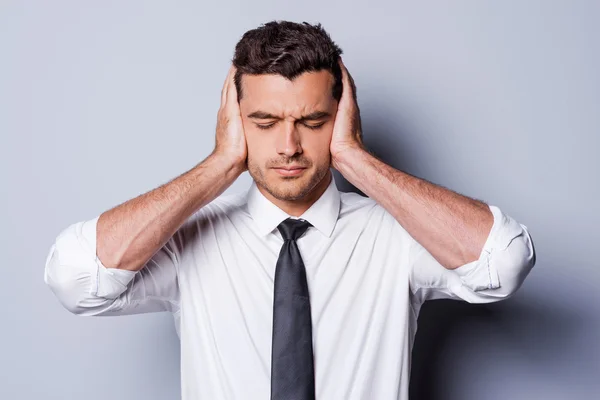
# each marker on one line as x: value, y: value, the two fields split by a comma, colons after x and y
x: 284, y: 188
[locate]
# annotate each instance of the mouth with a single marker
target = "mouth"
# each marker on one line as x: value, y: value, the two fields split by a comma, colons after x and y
x: 290, y: 170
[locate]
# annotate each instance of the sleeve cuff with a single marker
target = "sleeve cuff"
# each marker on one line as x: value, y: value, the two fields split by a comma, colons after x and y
x: 107, y: 282
x: 482, y: 273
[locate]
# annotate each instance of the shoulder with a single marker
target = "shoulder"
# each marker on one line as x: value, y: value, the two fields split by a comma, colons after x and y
x: 350, y: 201
x: 355, y: 204
x: 222, y: 208
x: 226, y: 204
x: 366, y: 211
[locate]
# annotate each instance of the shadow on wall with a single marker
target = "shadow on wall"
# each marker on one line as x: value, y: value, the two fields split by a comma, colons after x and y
x: 544, y: 338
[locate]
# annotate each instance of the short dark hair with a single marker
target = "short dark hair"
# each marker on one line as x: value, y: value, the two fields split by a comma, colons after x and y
x: 288, y: 49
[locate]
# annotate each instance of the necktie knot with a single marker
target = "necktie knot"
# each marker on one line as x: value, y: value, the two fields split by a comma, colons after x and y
x: 293, y: 229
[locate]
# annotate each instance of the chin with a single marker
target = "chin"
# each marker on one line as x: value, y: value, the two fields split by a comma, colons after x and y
x: 288, y: 188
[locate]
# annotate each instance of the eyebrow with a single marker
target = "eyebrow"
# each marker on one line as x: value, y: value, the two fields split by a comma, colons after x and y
x: 310, y: 117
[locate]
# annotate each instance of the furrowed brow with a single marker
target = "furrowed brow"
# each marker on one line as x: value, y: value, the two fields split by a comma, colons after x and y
x: 310, y: 117
x: 315, y: 115
x: 262, y: 115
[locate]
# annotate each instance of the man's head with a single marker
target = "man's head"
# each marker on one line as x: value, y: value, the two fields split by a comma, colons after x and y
x: 289, y: 83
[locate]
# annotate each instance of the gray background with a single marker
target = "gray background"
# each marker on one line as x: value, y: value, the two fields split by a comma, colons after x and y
x: 102, y: 101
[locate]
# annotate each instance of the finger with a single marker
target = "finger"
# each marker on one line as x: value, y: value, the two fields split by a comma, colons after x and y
x: 232, y: 98
x: 349, y: 94
x: 226, y: 86
x: 352, y: 84
x: 349, y: 88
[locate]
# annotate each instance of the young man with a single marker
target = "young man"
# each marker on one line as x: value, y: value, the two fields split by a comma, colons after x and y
x: 293, y: 290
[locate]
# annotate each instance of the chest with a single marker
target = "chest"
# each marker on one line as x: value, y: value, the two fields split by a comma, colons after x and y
x: 358, y: 285
x: 228, y: 280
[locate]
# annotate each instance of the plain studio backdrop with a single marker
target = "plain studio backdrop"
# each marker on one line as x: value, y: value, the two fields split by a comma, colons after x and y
x: 103, y: 101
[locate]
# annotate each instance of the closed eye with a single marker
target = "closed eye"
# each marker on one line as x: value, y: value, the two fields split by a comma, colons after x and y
x: 314, y: 127
x: 267, y: 126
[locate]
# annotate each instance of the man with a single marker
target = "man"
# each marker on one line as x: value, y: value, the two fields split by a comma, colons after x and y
x: 293, y: 290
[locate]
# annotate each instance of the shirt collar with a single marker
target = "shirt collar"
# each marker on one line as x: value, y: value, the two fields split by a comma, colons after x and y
x: 322, y: 214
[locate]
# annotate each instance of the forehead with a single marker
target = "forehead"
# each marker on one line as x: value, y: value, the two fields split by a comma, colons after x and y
x: 278, y: 95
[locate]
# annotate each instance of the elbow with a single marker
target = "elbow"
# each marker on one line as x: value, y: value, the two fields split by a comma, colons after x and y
x: 514, y: 263
x: 69, y: 296
x: 74, y: 291
x: 72, y: 275
x: 69, y: 288
x: 504, y: 273
x: 505, y: 261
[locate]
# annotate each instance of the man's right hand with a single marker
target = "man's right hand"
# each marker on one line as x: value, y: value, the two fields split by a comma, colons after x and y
x: 230, y: 137
x: 129, y: 234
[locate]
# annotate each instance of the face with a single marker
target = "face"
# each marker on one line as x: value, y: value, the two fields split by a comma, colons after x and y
x: 288, y: 124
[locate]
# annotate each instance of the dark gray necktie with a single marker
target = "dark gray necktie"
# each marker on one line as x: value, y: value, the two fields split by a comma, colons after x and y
x: 292, y: 368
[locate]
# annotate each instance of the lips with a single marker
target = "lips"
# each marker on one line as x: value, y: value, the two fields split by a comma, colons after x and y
x: 289, y: 170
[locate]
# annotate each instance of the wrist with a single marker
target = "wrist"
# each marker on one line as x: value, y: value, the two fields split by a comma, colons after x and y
x: 345, y: 155
x: 230, y: 166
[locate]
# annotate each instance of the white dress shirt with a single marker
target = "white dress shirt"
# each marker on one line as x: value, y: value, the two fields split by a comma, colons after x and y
x: 366, y: 275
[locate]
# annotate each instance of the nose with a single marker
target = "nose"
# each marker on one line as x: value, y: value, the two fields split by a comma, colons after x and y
x: 288, y: 142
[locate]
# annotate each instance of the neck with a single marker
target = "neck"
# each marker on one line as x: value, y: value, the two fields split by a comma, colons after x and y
x: 296, y: 208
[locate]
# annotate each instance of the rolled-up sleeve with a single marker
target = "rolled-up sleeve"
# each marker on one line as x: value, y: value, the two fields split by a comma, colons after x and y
x: 506, y: 259
x: 84, y: 286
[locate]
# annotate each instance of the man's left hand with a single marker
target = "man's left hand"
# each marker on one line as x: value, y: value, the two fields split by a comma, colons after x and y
x: 347, y: 129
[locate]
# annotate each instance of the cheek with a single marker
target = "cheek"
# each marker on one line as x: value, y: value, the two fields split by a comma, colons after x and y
x: 318, y: 143
x: 257, y: 143
x: 260, y: 152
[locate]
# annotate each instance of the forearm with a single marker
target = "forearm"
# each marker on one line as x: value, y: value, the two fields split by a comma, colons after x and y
x: 130, y: 233
x: 452, y: 227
